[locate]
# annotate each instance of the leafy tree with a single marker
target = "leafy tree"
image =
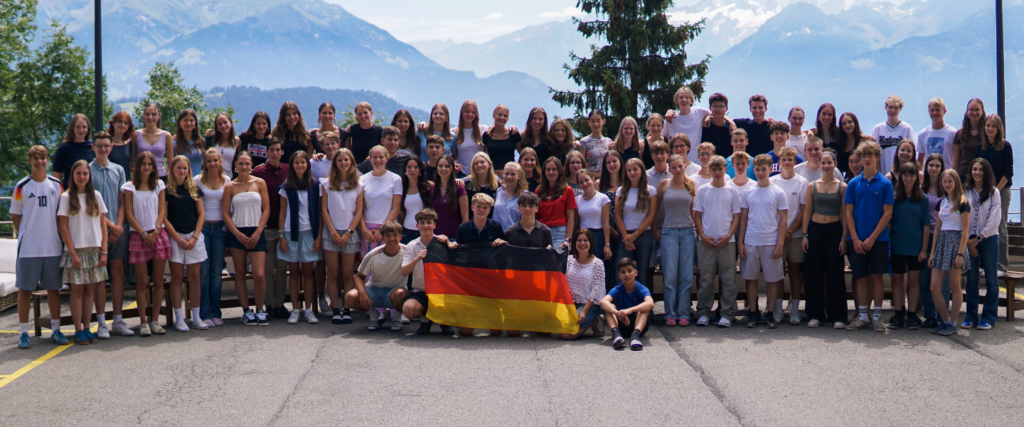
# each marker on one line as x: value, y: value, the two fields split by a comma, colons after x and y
x: 167, y: 88
x: 47, y: 86
x: 347, y: 117
x: 640, y: 68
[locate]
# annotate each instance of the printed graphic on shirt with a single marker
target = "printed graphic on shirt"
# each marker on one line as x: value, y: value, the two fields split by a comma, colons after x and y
x: 257, y: 150
x: 934, y: 145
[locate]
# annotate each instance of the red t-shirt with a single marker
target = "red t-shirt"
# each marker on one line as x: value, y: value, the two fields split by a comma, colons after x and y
x: 551, y: 212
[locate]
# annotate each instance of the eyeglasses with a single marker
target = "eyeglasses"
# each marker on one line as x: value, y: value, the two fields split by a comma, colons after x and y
x: 704, y: 154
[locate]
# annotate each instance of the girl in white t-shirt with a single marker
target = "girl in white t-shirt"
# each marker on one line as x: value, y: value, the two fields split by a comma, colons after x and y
x: 80, y: 213
x: 382, y: 198
x: 635, y: 209
x: 299, y: 245
x: 341, y: 203
x: 948, y: 248
x: 319, y: 166
x: 145, y: 209
x: 468, y: 136
x: 223, y: 140
x: 415, y: 197
x: 797, y: 137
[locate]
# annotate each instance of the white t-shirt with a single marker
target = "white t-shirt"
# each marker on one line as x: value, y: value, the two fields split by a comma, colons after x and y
x: 304, y: 224
x: 798, y: 142
x: 411, y: 251
x: 717, y: 206
x: 931, y: 141
x: 811, y: 176
x: 378, y: 192
x: 951, y: 219
x: 691, y: 124
x: 889, y: 137
x: 692, y: 169
x: 413, y: 206
x: 85, y: 230
x: 630, y: 217
x: 341, y: 205
x: 763, y: 205
x: 36, y: 202
x: 751, y: 183
x: 145, y: 204
x: 796, y: 193
x: 320, y: 169
x: 213, y: 205
x: 699, y: 181
x: 468, y: 148
x: 384, y: 271
x: 227, y: 158
x: 590, y: 210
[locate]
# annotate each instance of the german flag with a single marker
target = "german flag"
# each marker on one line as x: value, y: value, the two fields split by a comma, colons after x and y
x: 508, y: 287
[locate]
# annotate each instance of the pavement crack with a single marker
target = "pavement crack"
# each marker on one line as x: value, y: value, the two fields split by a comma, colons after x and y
x: 962, y: 341
x: 284, y: 404
x: 544, y: 379
x: 705, y: 377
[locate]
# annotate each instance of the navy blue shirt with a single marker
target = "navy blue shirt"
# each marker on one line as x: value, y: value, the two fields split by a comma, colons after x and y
x: 468, y: 233
x: 759, y: 137
x: 721, y: 137
x: 776, y: 168
x: 868, y: 199
x: 1001, y: 161
x: 624, y: 300
x: 67, y: 154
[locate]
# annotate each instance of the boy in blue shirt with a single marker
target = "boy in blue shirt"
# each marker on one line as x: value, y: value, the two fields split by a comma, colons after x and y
x: 627, y: 307
x: 780, y: 135
x: 868, y: 204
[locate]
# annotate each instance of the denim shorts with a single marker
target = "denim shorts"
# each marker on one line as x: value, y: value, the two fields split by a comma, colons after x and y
x: 381, y: 297
x: 591, y: 319
x: 300, y: 250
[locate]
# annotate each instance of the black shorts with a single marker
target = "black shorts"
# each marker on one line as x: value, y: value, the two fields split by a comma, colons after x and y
x: 233, y: 243
x: 420, y: 297
x: 901, y: 264
x: 627, y: 330
x: 876, y: 261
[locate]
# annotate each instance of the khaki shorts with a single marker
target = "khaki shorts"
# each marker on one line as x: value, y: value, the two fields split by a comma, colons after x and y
x: 794, y: 250
x: 760, y: 258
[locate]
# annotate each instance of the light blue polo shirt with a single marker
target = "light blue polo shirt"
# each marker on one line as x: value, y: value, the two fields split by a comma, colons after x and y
x: 868, y: 198
x: 108, y: 180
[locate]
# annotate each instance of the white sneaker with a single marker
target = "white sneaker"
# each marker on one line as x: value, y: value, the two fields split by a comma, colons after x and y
x: 374, y: 320
x: 839, y: 325
x: 703, y: 321
x: 293, y: 318
x: 794, y: 319
x: 120, y: 328
x: 209, y: 323
x: 181, y: 326
x: 200, y: 325
x: 310, y: 318
x: 814, y: 323
x: 102, y: 332
x: 724, y: 323
x: 405, y: 320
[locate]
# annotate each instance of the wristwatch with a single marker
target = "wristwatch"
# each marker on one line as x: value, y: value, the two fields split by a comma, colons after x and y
x: 349, y: 231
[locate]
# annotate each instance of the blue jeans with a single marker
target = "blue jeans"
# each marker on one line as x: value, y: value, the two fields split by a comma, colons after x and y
x: 678, y: 246
x: 210, y: 279
x: 988, y: 255
x: 644, y: 245
x: 927, y: 301
x: 558, y: 236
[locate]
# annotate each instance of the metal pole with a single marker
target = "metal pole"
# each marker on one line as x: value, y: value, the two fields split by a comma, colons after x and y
x: 1000, y: 75
x: 98, y: 49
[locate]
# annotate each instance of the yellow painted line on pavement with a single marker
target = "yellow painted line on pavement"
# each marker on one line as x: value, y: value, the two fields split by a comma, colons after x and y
x: 6, y: 379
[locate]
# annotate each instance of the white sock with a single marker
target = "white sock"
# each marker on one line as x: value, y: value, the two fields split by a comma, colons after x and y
x: 118, y: 318
x: 178, y: 315
x: 878, y: 314
x: 24, y: 327
x: 778, y: 306
x: 309, y: 311
x: 863, y: 311
x: 55, y: 325
x: 101, y: 319
x: 195, y: 315
x: 794, y: 305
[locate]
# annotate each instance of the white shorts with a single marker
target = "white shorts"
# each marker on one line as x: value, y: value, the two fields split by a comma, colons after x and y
x: 760, y: 258
x: 196, y: 255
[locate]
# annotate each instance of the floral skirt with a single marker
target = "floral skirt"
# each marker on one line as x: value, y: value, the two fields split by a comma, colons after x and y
x: 90, y: 272
x: 945, y: 251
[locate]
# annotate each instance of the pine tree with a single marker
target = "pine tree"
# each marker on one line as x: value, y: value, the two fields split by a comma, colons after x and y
x: 640, y: 68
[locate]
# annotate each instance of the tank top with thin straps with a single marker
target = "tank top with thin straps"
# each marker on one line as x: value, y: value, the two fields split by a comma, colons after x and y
x: 159, y: 151
x: 247, y: 209
x: 827, y: 204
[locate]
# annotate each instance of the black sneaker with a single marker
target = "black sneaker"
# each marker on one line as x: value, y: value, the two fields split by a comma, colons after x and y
x: 913, y: 322
x: 929, y: 324
x: 770, y: 320
x: 336, y: 316
x: 424, y: 328
x: 752, y: 319
x: 761, y: 319
x: 447, y: 330
x: 262, y: 318
x: 249, y: 318
x: 346, y: 316
x: 898, y: 320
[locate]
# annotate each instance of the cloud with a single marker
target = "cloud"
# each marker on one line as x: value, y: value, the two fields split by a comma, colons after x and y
x: 492, y: 17
x: 863, y: 63
x: 564, y: 13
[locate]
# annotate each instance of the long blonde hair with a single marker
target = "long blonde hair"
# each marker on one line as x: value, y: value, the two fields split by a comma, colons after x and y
x: 956, y: 198
x: 687, y: 182
x: 340, y: 180
x: 206, y: 172
x: 92, y: 206
x: 477, y: 138
x: 620, y: 141
x: 190, y: 184
x: 643, y: 197
x: 521, y: 184
x: 490, y: 180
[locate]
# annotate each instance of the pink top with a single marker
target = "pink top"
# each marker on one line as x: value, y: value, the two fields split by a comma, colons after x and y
x: 159, y: 151
x: 586, y: 281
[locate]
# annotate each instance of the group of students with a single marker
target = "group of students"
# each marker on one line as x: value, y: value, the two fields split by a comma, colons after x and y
x: 767, y: 194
